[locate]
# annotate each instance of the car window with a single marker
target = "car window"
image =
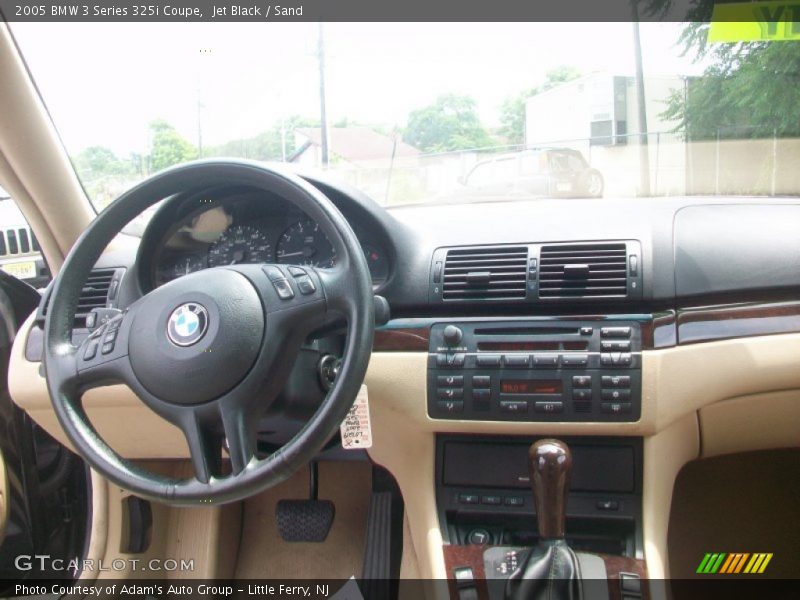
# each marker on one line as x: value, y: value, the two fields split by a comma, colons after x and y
x: 20, y: 254
x: 701, y: 117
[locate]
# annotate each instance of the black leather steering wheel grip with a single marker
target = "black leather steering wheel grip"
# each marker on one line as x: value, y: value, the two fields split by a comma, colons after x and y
x: 212, y: 350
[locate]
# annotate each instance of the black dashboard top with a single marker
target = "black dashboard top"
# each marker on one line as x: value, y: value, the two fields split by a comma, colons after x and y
x: 690, y: 247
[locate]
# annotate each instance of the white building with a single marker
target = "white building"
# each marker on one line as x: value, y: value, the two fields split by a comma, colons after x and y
x: 597, y: 109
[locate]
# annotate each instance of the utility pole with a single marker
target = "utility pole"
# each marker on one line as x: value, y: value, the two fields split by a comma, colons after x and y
x: 644, y: 154
x: 323, y: 116
x: 199, y: 125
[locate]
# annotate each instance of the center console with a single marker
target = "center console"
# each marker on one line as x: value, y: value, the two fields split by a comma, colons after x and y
x: 535, y: 370
x: 498, y: 518
x: 483, y: 492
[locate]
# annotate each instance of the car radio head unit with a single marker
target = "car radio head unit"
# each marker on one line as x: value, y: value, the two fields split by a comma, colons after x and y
x: 548, y: 370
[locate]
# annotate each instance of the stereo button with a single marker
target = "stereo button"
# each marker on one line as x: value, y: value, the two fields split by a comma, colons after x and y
x: 615, y: 346
x: 581, y: 394
x: 517, y: 361
x: 582, y: 381
x: 624, y: 359
x: 450, y: 406
x: 451, y: 393
x: 574, y: 360
x: 545, y: 360
x: 615, y: 381
x: 615, y: 407
x: 488, y: 360
x: 481, y: 381
x: 615, y: 332
x: 513, y: 406
x: 548, y: 407
x: 450, y: 380
x: 616, y: 395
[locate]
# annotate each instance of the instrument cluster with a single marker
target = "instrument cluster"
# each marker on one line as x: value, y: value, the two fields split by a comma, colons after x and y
x: 246, y: 229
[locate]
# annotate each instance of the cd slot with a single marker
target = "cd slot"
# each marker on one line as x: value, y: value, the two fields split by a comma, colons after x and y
x: 527, y: 331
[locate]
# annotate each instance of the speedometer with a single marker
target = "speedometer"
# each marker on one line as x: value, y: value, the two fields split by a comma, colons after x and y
x: 304, y: 243
x: 240, y: 244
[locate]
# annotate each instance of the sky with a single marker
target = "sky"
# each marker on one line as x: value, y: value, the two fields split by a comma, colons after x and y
x: 103, y: 83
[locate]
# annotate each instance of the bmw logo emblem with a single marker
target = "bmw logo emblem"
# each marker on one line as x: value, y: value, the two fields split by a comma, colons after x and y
x: 187, y: 324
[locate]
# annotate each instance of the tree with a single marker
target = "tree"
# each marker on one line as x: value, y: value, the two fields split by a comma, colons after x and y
x: 168, y: 147
x: 99, y: 161
x: 450, y: 123
x: 267, y: 145
x: 748, y: 91
x: 512, y: 111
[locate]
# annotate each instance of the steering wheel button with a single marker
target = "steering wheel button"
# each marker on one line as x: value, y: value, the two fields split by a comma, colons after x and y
x: 296, y: 271
x: 110, y: 336
x: 274, y: 273
x: 91, y: 351
x: 107, y: 348
x: 283, y: 288
x: 305, y: 285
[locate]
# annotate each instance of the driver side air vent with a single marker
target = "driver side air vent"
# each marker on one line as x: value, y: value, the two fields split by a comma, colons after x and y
x: 485, y: 273
x: 99, y: 291
x: 587, y: 270
x: 95, y: 292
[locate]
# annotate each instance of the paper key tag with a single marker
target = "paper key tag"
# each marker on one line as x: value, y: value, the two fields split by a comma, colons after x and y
x: 356, y: 429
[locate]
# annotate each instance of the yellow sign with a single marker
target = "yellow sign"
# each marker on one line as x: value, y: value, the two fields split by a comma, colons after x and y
x: 755, y: 22
x: 20, y: 270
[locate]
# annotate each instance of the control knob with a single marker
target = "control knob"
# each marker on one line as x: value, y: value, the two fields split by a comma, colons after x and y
x: 452, y: 335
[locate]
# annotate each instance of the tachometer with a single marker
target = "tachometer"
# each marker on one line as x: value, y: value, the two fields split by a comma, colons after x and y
x: 304, y: 243
x: 240, y: 244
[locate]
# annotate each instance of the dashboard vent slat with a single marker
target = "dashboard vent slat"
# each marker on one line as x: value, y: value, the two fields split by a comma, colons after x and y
x: 95, y: 292
x: 485, y: 273
x: 601, y: 271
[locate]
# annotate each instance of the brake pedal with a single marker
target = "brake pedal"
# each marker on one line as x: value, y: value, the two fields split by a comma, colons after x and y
x: 305, y: 520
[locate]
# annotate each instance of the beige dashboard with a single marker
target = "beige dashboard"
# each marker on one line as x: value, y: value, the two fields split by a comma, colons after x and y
x: 697, y: 400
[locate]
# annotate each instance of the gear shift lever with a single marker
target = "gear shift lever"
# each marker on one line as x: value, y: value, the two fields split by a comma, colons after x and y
x: 550, y: 465
x: 551, y: 570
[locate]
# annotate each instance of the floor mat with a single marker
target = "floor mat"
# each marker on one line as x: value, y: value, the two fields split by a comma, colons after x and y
x: 263, y: 554
x: 746, y: 502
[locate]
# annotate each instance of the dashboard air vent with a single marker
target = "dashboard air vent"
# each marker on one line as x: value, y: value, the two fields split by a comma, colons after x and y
x: 591, y: 270
x: 95, y: 293
x: 485, y: 273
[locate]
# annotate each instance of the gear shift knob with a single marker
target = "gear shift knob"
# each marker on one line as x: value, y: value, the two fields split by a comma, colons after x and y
x: 550, y: 464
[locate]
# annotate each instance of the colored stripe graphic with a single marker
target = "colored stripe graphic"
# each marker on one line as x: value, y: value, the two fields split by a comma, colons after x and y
x: 734, y: 563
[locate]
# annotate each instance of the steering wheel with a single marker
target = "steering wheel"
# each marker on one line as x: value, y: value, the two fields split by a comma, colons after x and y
x: 211, y: 351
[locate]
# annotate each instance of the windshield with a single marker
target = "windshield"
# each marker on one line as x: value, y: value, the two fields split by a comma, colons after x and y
x: 414, y: 113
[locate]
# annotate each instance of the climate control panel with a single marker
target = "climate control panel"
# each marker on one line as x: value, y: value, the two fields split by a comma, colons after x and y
x: 535, y: 370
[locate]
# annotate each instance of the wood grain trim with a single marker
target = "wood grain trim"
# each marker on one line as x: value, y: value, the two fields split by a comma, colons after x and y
x: 705, y: 324
x: 660, y: 332
x: 406, y: 339
x: 472, y: 556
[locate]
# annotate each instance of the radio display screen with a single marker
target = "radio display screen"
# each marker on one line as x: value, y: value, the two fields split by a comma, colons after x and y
x: 531, y: 386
